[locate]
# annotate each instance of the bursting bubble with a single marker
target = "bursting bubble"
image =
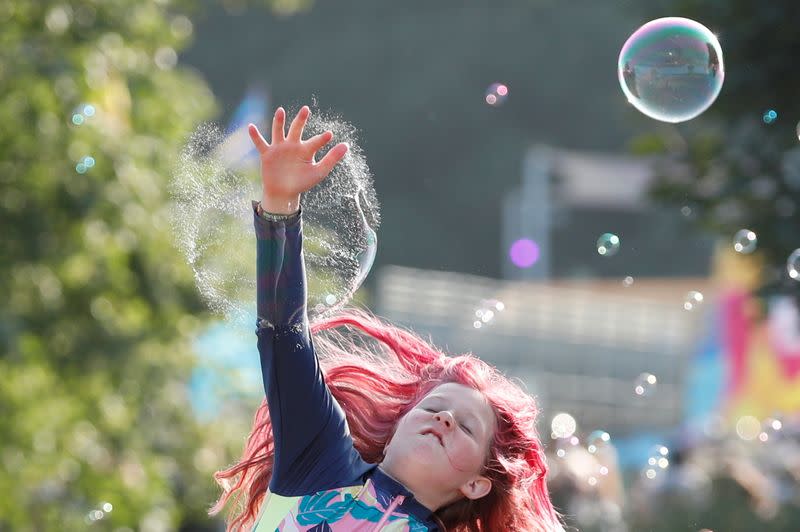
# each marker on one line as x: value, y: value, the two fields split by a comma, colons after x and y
x: 608, y: 244
x: 744, y: 241
x: 212, y: 187
x: 671, y: 69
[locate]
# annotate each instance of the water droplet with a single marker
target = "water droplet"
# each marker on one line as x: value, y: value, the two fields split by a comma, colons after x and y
x: 671, y: 69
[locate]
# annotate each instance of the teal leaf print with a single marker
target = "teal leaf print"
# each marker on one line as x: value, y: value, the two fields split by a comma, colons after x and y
x: 369, y: 513
x: 314, y: 509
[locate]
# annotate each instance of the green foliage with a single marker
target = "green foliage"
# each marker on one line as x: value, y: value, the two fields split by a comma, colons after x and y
x: 99, y: 309
x: 734, y: 170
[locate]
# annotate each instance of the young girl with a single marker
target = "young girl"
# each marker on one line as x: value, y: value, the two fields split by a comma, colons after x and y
x: 386, y: 433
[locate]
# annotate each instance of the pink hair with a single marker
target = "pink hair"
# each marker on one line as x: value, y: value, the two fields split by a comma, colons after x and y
x: 377, y: 377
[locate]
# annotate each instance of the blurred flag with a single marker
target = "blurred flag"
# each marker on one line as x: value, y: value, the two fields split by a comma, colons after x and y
x: 237, y: 152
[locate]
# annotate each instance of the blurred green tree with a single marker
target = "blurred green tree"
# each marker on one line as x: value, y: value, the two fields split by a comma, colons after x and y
x: 99, y: 309
x: 735, y: 168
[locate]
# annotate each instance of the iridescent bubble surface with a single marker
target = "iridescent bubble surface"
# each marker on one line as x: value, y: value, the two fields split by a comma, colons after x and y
x: 212, y: 187
x: 671, y: 69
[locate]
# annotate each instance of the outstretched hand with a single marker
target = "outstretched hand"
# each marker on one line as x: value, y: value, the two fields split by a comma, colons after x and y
x: 288, y: 165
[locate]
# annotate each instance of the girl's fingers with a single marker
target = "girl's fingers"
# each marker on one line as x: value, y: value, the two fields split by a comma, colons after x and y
x: 259, y: 142
x: 278, y: 125
x: 299, y: 122
x: 315, y: 143
x: 333, y: 156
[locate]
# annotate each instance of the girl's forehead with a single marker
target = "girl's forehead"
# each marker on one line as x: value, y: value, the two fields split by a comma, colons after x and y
x: 464, y: 395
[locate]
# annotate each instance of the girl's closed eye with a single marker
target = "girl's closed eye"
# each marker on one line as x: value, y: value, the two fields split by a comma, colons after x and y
x: 464, y: 427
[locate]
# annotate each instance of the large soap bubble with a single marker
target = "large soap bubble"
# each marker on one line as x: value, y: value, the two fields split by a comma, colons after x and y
x: 212, y: 187
x: 671, y: 69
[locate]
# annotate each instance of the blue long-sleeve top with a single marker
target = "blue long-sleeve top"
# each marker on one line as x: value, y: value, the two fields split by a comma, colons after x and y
x: 319, y: 480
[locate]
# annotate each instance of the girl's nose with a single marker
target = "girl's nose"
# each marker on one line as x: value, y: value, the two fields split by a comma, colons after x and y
x: 446, y: 418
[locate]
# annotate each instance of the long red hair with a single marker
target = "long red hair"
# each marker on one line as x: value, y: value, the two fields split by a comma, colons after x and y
x: 377, y: 376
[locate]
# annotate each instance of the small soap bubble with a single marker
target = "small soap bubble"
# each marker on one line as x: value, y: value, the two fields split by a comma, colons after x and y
x: 645, y: 384
x: 81, y: 168
x: 597, y: 440
x: 671, y: 69
x: 524, y: 253
x: 627, y: 281
x: 748, y: 427
x: 769, y: 116
x: 793, y: 265
x: 744, y: 241
x: 487, y: 310
x: 107, y: 507
x: 496, y: 94
x: 686, y: 211
x: 83, y: 112
x: 608, y: 244
x: 770, y: 429
x: 692, y: 300
x: 798, y: 131
x: 88, y: 162
x: 658, y: 459
x: 563, y: 425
